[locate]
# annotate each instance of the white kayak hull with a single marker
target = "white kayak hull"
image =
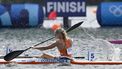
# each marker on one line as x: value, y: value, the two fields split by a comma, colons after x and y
x: 54, y: 61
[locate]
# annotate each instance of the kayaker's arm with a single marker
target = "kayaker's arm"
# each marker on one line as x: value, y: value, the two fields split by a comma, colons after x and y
x: 47, y: 47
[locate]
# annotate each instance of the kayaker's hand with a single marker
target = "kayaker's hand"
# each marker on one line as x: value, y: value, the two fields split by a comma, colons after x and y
x: 32, y: 47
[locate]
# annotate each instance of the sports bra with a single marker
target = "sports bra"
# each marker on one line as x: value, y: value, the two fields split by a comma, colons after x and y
x: 67, y: 50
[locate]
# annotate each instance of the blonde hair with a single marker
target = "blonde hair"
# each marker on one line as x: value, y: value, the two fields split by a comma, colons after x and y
x: 62, y: 32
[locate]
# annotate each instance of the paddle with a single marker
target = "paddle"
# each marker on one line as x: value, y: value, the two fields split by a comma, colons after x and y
x: 16, y: 53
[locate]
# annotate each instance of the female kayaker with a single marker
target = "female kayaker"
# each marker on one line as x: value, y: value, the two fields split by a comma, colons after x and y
x: 63, y: 44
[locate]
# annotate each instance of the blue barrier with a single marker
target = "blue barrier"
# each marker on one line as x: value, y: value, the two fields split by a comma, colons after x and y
x: 110, y: 14
x: 21, y: 15
x: 32, y: 15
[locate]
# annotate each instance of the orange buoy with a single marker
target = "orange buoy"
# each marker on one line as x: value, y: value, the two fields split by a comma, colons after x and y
x: 56, y: 26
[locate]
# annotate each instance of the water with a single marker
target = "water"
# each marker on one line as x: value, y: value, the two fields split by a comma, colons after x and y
x: 84, y: 40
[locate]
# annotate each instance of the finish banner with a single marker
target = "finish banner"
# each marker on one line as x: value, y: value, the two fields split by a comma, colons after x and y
x: 66, y: 8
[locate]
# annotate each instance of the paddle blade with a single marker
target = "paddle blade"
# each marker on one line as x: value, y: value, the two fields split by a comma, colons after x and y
x: 74, y: 26
x: 13, y: 55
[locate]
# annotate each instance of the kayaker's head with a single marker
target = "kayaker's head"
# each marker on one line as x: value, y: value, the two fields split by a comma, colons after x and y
x: 60, y: 34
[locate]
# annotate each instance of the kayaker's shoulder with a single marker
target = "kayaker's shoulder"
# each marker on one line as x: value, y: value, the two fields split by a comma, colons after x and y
x: 69, y: 39
x: 58, y: 42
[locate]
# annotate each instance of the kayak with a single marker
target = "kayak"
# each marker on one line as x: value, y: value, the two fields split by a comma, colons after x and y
x: 30, y: 60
